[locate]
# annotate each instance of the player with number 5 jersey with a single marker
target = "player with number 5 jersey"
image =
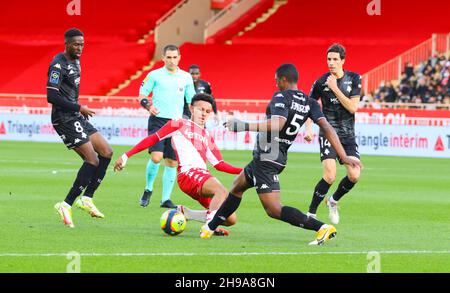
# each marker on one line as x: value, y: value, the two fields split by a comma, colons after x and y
x: 286, y: 113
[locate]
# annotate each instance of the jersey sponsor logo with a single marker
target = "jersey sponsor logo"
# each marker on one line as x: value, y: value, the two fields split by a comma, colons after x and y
x: 326, y: 89
x: 57, y: 65
x: 349, y: 89
x: 334, y: 101
x: 300, y: 108
x: 191, y: 135
x: 282, y: 140
x: 54, y: 77
x: 279, y: 105
x: 280, y: 95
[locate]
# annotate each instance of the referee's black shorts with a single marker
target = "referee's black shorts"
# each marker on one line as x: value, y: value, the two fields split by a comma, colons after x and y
x: 165, y: 145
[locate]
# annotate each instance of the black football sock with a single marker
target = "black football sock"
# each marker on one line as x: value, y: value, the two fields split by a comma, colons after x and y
x: 228, y: 207
x: 100, y: 173
x: 296, y: 218
x: 344, y: 186
x: 83, y: 177
x: 320, y: 191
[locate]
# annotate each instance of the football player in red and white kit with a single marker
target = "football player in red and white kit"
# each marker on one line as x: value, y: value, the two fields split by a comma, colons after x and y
x: 193, y: 147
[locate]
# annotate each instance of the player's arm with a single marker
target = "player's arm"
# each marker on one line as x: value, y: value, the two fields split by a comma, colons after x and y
x: 275, y: 123
x: 350, y: 104
x: 146, y: 88
x: 279, y: 113
x: 214, y: 156
x: 313, y: 94
x: 166, y: 131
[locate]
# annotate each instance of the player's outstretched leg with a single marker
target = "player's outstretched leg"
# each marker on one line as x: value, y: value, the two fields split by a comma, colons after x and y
x: 322, y: 187
x: 346, y: 184
x: 105, y: 153
x: 293, y: 216
x: 84, y: 175
x: 227, y: 208
x: 319, y: 194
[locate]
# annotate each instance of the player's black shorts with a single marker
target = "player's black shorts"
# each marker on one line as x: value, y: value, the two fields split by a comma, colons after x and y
x: 165, y: 145
x: 263, y: 175
x: 74, y: 131
x: 328, y: 152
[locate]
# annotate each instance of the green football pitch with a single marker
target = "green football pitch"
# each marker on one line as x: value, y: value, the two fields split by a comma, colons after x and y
x: 399, y: 212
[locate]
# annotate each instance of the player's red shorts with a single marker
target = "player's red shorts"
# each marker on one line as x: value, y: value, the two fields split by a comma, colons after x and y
x: 191, y: 183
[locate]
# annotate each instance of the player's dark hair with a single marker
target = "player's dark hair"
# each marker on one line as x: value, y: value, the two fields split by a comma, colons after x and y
x: 202, y: 97
x: 73, y: 32
x: 337, y: 48
x: 171, y: 48
x: 289, y: 71
x: 194, y: 66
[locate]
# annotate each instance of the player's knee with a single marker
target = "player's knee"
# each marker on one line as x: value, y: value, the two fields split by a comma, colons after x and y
x: 93, y: 161
x: 108, y: 153
x: 221, y: 192
x: 231, y: 220
x: 353, y: 177
x: 329, y: 178
x: 273, y: 212
x: 156, y: 159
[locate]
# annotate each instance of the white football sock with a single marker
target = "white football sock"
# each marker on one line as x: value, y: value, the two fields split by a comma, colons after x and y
x: 196, y: 215
x: 210, y: 215
x: 332, y: 200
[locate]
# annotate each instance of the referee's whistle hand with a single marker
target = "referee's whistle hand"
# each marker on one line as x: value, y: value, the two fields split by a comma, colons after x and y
x: 86, y: 112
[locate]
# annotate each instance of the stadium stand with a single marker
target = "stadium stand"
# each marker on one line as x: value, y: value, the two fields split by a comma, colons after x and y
x: 299, y: 32
x: 425, y: 83
x: 31, y: 34
x: 232, y: 30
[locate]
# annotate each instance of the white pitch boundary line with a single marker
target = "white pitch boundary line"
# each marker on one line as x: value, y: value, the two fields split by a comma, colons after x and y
x: 225, y: 253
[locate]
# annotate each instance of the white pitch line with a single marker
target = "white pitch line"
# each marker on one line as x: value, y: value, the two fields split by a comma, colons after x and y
x: 225, y: 253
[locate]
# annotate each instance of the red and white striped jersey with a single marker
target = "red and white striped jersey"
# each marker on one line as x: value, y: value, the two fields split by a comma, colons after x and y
x: 192, y: 144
